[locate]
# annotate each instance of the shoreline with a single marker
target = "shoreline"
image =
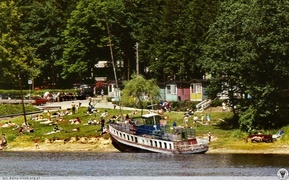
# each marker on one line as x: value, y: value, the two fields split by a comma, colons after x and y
x: 113, y: 150
x: 105, y: 146
x: 101, y: 145
x: 236, y: 151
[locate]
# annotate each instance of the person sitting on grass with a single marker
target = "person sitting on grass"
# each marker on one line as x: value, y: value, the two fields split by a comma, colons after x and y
x: 280, y: 133
x: 20, y: 130
x: 56, y: 129
x: 29, y: 129
x: 3, y: 141
x: 75, y: 121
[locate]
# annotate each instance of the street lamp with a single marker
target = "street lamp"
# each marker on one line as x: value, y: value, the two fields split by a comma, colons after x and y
x: 22, y: 101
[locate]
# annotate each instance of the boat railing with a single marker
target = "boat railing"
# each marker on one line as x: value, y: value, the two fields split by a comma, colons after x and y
x: 180, y: 135
x: 128, y: 128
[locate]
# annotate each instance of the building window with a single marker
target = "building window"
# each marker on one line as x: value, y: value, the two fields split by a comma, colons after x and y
x: 197, y: 88
x: 171, y: 89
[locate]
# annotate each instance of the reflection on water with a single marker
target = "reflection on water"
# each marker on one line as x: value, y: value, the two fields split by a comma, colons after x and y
x: 143, y: 164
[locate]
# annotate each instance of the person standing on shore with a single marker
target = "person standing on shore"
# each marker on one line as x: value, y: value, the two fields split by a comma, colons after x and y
x: 209, y: 136
x: 208, y: 118
x: 186, y: 120
x: 102, y: 122
x: 102, y: 93
x: 36, y: 144
x: 174, y: 126
x: 196, y: 120
x: 73, y: 108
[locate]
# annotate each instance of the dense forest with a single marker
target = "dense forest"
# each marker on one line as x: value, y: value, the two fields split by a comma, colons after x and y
x: 243, y: 45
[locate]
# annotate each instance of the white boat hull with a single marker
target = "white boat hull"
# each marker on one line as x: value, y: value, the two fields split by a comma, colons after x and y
x: 130, y: 142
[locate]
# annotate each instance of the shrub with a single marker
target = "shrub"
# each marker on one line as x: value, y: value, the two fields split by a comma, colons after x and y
x: 183, y: 105
x: 7, y: 109
x: 216, y: 102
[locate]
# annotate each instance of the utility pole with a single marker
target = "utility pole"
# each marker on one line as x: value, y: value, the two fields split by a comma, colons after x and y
x: 137, y: 60
x: 113, y: 63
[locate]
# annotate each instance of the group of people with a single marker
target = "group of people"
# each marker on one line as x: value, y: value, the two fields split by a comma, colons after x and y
x: 190, y: 113
x: 25, y: 128
x: 8, y: 124
x: 21, y: 128
x: 166, y: 106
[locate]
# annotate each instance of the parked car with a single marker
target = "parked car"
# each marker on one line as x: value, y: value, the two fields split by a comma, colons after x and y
x: 38, y: 100
x: 261, y: 138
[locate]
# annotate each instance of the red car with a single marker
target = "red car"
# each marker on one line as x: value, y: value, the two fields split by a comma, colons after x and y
x: 261, y: 138
x: 38, y: 100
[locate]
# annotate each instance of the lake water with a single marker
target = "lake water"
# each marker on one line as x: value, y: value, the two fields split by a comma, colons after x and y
x: 92, y: 165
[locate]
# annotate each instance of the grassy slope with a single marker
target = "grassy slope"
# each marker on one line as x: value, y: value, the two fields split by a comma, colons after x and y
x: 223, y: 137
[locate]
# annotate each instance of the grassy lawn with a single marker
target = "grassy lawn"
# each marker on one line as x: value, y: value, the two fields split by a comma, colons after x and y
x: 223, y: 135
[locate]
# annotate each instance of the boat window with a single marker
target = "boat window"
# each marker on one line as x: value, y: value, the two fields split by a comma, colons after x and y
x: 131, y: 138
x: 160, y: 143
x: 156, y: 144
x: 165, y: 144
x: 170, y: 146
x: 154, y: 120
x: 128, y: 137
x: 151, y: 142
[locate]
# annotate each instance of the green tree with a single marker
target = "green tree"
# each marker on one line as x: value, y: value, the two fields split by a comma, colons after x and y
x: 42, y: 24
x: 17, y: 57
x: 170, y: 33
x: 246, y: 53
x: 140, y: 92
x: 87, y: 41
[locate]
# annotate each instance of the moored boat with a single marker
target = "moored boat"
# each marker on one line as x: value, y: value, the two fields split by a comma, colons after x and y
x: 150, y: 135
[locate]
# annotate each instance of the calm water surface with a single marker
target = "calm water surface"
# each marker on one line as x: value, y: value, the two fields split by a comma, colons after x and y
x: 143, y: 164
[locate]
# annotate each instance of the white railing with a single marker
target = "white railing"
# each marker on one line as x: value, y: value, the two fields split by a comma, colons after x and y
x: 203, y: 105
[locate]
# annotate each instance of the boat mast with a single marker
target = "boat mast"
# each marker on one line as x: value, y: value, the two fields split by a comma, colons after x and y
x: 113, y: 64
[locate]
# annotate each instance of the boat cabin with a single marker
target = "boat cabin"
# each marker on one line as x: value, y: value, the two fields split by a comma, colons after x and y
x: 150, y: 125
x: 151, y: 119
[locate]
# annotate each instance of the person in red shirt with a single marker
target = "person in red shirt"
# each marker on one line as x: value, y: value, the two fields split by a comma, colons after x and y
x: 36, y: 143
